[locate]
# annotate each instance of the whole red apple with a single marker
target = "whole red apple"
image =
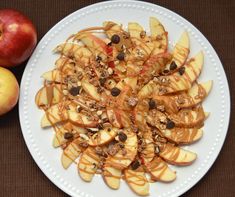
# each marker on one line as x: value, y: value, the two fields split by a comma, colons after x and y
x: 18, y: 37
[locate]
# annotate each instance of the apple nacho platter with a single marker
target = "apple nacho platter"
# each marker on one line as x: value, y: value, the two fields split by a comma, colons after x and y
x: 125, y: 99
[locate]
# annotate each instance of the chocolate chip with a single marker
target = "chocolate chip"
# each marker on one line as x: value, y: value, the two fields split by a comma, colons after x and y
x: 152, y: 104
x: 115, y: 91
x: 121, y: 56
x: 135, y: 165
x: 115, y: 39
x: 122, y: 137
x: 170, y: 124
x: 102, y: 81
x: 68, y: 136
x: 181, y: 70
x: 75, y: 90
x: 173, y: 65
x: 165, y: 71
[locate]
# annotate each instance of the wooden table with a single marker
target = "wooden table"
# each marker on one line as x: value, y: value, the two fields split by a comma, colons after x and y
x: 19, y: 174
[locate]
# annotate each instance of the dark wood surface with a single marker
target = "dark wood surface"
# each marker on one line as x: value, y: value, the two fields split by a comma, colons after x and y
x: 19, y: 174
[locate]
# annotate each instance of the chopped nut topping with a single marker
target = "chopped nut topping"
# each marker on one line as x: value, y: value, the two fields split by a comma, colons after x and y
x: 132, y: 101
x: 68, y: 136
x: 142, y: 34
x: 122, y: 136
x: 135, y: 164
x: 110, y: 71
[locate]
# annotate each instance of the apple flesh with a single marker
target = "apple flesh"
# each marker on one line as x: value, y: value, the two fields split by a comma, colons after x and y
x: 9, y: 91
x: 18, y: 37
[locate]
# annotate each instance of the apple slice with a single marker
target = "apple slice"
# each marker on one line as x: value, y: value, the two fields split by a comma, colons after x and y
x: 80, y: 119
x: 88, y: 163
x: 49, y: 95
x: 183, y: 135
x: 177, y: 156
x: 70, y: 153
x: 78, y: 52
x: 147, y: 90
x: 121, y: 161
x: 178, y: 82
x: 135, y: 29
x: 53, y: 76
x: 148, y: 153
x: 128, y: 81
x: 188, y: 117
x: 60, y: 130
x: 159, y: 170
x: 159, y: 36
x: 154, y: 65
x: 55, y: 114
x: 143, y: 46
x: 112, y: 176
x: 113, y: 119
x: 91, y: 90
x: 137, y: 181
x: 180, y: 51
x: 196, y: 94
x: 95, y: 44
x: 102, y: 137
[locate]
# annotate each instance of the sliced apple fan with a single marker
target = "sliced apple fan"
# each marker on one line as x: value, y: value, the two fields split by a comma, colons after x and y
x: 123, y: 105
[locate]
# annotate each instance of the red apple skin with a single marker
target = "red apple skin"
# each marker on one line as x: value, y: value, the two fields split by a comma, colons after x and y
x: 18, y: 37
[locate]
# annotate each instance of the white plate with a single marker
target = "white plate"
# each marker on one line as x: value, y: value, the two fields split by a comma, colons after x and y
x: 39, y: 141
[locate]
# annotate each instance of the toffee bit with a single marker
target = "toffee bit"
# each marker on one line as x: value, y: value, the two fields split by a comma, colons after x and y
x: 161, y: 108
x: 68, y: 136
x: 121, y: 56
x: 124, y: 152
x: 102, y: 81
x: 98, y: 58
x: 135, y: 165
x: 122, y: 137
x: 74, y: 91
x: 126, y: 35
x: 173, y: 65
x: 98, y: 150
x: 84, y: 144
x: 115, y: 91
x: 112, y: 150
x: 115, y: 39
x: 170, y: 124
x: 166, y: 71
x: 109, y: 44
x: 121, y: 145
x: 181, y: 70
x: 100, y: 126
x: 94, y: 165
x: 152, y: 104
x: 157, y: 149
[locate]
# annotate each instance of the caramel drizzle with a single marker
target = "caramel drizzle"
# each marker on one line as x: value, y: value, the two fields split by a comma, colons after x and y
x: 180, y: 54
x: 135, y: 178
x: 183, y: 135
x: 158, y: 165
x: 85, y: 161
x: 170, y: 152
x: 107, y: 173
